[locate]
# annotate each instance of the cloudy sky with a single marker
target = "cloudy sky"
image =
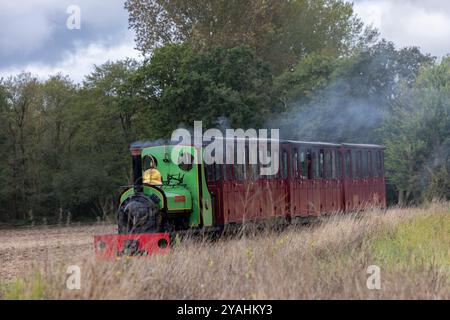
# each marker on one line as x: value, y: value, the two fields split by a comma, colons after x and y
x: 34, y: 36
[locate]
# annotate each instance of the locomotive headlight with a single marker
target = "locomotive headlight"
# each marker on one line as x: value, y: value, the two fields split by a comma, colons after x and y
x: 101, y: 245
x: 162, y: 243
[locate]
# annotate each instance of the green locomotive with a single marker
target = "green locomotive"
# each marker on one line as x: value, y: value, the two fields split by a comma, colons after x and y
x: 181, y: 201
x: 147, y: 212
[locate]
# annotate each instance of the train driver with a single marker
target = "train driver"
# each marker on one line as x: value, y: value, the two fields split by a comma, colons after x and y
x: 152, y: 176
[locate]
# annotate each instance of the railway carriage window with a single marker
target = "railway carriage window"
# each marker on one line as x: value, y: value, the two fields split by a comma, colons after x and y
x: 317, y: 159
x: 355, y: 167
x: 285, y: 165
x: 348, y: 164
x: 239, y: 172
x: 365, y: 165
x: 248, y: 166
x: 280, y: 172
x: 380, y: 164
x: 213, y: 172
x: 295, y: 159
x: 303, y: 165
x: 309, y: 164
x: 379, y: 168
x: 240, y: 161
x: 328, y: 165
x: 209, y: 169
x: 359, y: 164
x: 369, y: 164
x: 218, y: 172
x: 321, y: 163
x: 333, y: 164
x: 265, y: 158
x: 254, y: 169
x: 228, y: 172
x: 339, y: 164
x: 374, y: 164
x: 315, y: 164
x: 354, y: 164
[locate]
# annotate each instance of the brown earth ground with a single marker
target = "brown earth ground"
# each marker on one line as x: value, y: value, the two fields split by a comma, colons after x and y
x: 25, y: 249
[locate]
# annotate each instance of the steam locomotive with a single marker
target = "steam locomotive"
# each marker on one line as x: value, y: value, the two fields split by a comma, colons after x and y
x: 313, y: 179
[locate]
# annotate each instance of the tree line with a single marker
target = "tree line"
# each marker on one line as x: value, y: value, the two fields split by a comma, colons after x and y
x: 310, y: 68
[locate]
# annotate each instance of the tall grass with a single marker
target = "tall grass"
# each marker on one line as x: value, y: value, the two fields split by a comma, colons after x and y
x: 327, y: 260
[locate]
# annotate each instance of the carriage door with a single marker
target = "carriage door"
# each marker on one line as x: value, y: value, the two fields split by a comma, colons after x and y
x: 347, y: 180
x: 286, y: 177
x: 365, y: 182
x: 314, y: 183
x: 340, y: 172
x: 331, y: 182
x: 214, y: 180
x: 299, y: 181
x: 321, y: 182
x: 273, y: 185
x: 379, y: 180
x: 295, y: 182
x: 372, y: 191
x: 358, y: 179
x: 229, y: 197
x: 353, y: 179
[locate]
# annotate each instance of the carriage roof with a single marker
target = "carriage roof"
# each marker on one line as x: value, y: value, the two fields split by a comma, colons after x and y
x: 159, y: 143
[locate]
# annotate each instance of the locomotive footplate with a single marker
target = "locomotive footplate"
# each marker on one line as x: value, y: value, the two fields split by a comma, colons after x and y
x: 131, y: 245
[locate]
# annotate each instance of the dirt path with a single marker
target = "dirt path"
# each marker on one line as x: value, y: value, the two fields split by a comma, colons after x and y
x: 24, y: 248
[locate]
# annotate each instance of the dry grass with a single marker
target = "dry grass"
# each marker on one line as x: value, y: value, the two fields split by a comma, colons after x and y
x: 328, y: 260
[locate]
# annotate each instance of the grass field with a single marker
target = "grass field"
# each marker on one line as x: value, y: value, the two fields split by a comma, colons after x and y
x: 325, y: 260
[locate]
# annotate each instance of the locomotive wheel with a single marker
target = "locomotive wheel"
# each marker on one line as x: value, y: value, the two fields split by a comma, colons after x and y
x: 138, y: 214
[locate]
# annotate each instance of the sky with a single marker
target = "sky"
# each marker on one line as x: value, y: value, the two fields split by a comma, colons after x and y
x: 34, y: 35
x: 422, y: 23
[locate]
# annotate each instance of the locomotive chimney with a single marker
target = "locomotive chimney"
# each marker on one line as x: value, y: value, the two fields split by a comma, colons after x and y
x: 137, y: 169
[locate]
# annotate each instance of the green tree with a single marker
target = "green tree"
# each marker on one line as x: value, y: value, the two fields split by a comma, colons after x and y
x: 181, y: 85
x: 37, y: 135
x: 280, y: 31
x: 299, y: 85
x: 56, y: 144
x: 3, y: 145
x: 417, y: 136
x: 19, y: 114
x: 108, y: 116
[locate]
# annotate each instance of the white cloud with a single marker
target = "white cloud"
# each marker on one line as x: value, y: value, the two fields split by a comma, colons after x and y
x: 410, y: 23
x: 23, y: 28
x: 77, y: 64
x: 34, y: 37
